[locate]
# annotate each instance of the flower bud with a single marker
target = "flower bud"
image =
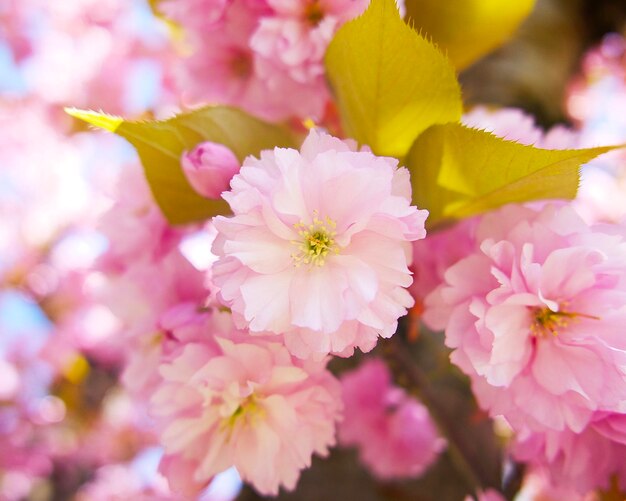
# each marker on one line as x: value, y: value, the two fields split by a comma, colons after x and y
x: 209, y: 167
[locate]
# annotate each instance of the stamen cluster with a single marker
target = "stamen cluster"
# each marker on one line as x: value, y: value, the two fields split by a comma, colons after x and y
x: 316, y: 241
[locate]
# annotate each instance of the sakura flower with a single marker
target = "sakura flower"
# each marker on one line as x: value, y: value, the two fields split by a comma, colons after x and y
x: 515, y: 125
x: 535, y: 316
x: 601, y: 194
x: 209, y: 167
x: 181, y: 324
x: 140, y: 295
x: 247, y: 404
x: 57, y: 197
x: 392, y: 431
x: 319, y: 246
x: 432, y: 256
x: 119, y: 482
x: 67, y: 50
x: 222, y: 68
x: 297, y: 36
x: 265, y: 57
x: 134, y: 225
x: 538, y: 486
x: 197, y: 15
x: 9, y: 380
x: 582, y: 461
x: 596, y: 96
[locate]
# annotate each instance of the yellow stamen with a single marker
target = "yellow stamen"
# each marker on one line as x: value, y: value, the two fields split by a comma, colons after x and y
x: 547, y: 321
x: 247, y: 412
x: 317, y: 241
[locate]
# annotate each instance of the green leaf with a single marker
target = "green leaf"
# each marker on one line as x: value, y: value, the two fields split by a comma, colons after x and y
x: 457, y: 171
x: 161, y: 143
x: 389, y: 82
x: 467, y: 29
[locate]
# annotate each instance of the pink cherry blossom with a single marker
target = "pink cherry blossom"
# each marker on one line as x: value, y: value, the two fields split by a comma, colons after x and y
x: 432, y: 256
x: 297, y: 35
x: 196, y: 15
x: 601, y: 195
x: 516, y: 125
x: 134, y: 225
x: 535, y: 316
x: 66, y: 52
x: 139, y: 295
x: 263, y: 56
x: 247, y: 404
x: 83, y: 324
x: 584, y: 461
x: 393, y: 432
x: 596, y: 96
x: 222, y: 68
x: 119, y: 482
x: 36, y: 203
x: 179, y: 325
x: 209, y: 167
x: 537, y: 486
x: 158, y: 307
x: 319, y: 246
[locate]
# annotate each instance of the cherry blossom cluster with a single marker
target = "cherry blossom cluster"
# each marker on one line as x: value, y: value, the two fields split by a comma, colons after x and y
x: 534, y: 315
x: 301, y: 276
x: 220, y: 345
x: 530, y: 299
x: 63, y: 413
x: 265, y: 56
x: 393, y: 431
x: 67, y: 53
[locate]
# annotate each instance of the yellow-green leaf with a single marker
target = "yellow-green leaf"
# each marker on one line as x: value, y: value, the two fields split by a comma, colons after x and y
x: 161, y: 143
x: 176, y: 31
x: 457, y: 172
x: 467, y: 29
x: 389, y: 82
x: 154, y: 7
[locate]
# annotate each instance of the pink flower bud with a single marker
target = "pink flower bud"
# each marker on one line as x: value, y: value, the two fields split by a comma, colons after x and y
x: 209, y: 167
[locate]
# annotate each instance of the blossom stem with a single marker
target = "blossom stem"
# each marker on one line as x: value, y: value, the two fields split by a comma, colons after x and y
x: 410, y: 375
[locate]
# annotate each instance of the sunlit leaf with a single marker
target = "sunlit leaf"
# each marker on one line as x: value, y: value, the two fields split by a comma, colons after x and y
x: 176, y: 31
x: 155, y: 7
x: 457, y: 171
x: 389, y: 82
x: 161, y: 143
x: 467, y: 29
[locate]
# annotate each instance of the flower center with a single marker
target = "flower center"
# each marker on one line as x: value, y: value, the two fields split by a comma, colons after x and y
x: 247, y: 412
x: 314, y: 13
x: 547, y: 321
x: 317, y: 240
x: 241, y: 65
